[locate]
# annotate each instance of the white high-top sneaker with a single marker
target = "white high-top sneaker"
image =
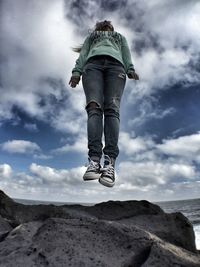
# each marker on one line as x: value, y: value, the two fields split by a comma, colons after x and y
x: 93, y: 170
x: 107, y: 177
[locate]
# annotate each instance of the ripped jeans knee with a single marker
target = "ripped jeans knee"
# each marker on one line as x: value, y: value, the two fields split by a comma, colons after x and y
x: 94, y: 108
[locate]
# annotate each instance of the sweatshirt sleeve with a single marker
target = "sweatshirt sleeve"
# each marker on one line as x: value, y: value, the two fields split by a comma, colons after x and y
x: 126, y: 56
x: 80, y: 62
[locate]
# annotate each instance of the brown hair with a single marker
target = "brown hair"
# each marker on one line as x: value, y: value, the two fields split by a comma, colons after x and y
x: 105, y: 25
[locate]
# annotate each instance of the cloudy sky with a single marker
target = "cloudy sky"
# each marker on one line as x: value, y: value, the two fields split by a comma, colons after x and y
x: 43, y: 144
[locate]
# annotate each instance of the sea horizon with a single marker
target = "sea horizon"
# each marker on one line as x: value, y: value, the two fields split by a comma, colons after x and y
x: 93, y: 203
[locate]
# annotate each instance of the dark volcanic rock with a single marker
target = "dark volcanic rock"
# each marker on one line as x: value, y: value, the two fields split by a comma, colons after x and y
x: 113, y: 233
x: 5, y: 228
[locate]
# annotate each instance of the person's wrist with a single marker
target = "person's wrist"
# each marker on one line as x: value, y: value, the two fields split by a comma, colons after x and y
x: 131, y: 71
x: 76, y: 74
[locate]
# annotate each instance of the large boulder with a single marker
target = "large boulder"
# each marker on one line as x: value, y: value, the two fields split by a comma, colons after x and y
x: 113, y: 233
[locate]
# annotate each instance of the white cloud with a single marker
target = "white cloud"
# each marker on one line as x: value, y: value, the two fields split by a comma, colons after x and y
x: 79, y: 146
x: 148, y: 112
x: 42, y: 156
x: 20, y: 146
x: 5, y: 171
x: 181, y: 171
x: 41, y: 31
x: 46, y: 183
x: 177, y: 30
x: 37, y: 40
x: 152, y: 173
x: 134, y: 181
x: 167, y: 48
x: 69, y: 121
x: 183, y: 146
x: 51, y: 175
x: 133, y: 145
x: 142, y: 174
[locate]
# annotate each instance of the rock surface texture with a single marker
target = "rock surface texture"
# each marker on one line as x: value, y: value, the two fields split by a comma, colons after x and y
x: 108, y: 234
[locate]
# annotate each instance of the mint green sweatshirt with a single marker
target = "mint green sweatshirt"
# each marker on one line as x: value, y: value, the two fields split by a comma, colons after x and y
x: 104, y: 43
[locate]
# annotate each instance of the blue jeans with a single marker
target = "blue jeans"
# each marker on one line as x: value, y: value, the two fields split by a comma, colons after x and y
x: 103, y: 80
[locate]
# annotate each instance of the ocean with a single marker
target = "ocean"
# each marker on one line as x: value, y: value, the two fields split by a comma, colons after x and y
x: 190, y: 208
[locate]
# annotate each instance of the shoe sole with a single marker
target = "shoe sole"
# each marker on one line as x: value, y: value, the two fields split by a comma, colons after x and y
x: 106, y: 183
x: 91, y: 176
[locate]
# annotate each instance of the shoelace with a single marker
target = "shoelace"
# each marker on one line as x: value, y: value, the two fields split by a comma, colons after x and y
x: 109, y: 169
x: 92, y: 165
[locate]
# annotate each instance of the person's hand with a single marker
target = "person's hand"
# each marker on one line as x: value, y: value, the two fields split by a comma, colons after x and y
x: 74, y: 81
x: 133, y: 75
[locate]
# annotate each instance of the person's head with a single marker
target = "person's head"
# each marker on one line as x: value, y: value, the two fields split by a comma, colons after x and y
x: 105, y: 25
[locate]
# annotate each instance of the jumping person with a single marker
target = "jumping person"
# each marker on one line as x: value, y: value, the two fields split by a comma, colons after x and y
x: 104, y: 61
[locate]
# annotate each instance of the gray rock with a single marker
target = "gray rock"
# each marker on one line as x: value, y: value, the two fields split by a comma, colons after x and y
x: 165, y: 254
x: 113, y: 233
x: 5, y: 228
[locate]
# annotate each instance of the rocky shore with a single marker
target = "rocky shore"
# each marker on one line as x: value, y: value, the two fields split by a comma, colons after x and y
x: 109, y: 234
